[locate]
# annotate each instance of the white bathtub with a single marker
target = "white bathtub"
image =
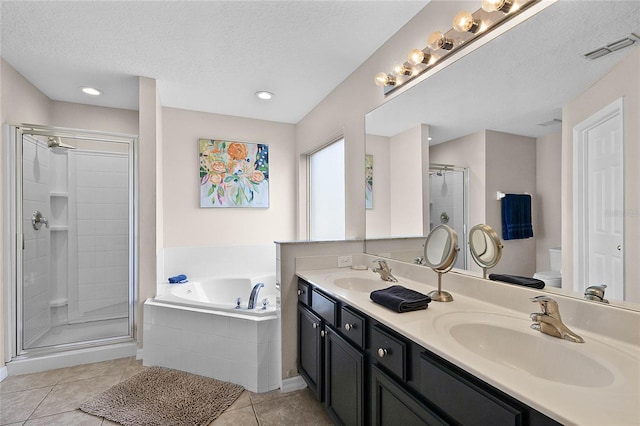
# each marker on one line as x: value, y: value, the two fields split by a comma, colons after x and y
x: 195, y: 327
x: 220, y: 294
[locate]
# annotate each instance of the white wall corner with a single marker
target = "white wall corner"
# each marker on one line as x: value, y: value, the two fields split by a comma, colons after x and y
x: 139, y: 354
x: 3, y: 373
x: 293, y: 384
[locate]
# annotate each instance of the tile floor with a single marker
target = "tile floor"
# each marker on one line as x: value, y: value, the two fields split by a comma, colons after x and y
x: 53, y: 397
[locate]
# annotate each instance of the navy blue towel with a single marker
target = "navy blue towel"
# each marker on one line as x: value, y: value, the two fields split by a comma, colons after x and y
x: 400, y: 299
x: 178, y: 279
x: 516, y: 217
x: 516, y: 279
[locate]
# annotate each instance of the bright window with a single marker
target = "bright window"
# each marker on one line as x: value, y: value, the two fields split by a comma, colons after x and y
x: 327, y: 193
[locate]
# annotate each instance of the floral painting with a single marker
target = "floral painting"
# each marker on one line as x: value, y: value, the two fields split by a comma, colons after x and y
x: 233, y: 174
x: 368, y: 189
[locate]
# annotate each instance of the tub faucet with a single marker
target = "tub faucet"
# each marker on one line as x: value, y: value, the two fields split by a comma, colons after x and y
x: 384, y: 271
x: 549, y: 322
x: 254, y: 295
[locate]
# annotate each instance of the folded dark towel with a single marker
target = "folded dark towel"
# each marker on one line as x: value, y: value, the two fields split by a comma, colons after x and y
x: 516, y: 279
x: 516, y: 217
x: 178, y: 279
x: 400, y: 299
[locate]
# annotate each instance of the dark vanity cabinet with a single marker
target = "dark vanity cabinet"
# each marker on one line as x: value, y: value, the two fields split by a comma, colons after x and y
x: 330, y: 363
x: 366, y: 373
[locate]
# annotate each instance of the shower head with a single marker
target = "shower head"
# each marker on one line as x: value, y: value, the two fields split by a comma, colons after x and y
x: 54, y: 142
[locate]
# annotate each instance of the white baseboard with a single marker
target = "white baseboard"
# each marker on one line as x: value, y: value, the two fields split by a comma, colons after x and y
x: 3, y: 373
x: 293, y: 384
x: 139, y: 354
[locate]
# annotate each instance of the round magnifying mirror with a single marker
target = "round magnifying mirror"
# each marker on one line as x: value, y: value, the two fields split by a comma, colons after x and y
x: 485, y: 247
x: 440, y: 252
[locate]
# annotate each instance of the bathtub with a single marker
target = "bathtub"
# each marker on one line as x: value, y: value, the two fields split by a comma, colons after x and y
x: 195, y: 327
x: 221, y: 294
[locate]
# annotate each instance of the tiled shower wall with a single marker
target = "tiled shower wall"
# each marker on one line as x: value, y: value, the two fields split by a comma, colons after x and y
x: 36, y: 253
x: 102, y: 212
x: 446, y: 195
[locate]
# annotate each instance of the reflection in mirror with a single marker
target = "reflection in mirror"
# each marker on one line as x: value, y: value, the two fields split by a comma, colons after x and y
x: 517, y: 136
x: 440, y: 252
x: 485, y: 247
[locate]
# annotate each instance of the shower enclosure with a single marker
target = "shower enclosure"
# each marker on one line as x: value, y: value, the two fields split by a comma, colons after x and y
x: 448, y: 204
x: 73, y: 256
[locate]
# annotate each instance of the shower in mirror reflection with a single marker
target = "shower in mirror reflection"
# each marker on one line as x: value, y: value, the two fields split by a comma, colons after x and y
x: 448, y: 203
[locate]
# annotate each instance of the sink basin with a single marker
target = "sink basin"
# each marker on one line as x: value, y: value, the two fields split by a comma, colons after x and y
x: 360, y: 284
x: 510, y: 342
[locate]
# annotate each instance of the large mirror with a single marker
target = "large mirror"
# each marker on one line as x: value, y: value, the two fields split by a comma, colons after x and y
x: 507, y: 113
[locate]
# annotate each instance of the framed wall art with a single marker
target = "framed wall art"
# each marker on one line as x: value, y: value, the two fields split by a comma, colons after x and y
x: 233, y: 174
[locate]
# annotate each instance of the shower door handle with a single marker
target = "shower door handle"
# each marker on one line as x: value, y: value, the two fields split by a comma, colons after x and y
x: 37, y: 220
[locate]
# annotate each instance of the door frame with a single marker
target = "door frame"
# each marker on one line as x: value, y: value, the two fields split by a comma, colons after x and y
x: 580, y: 189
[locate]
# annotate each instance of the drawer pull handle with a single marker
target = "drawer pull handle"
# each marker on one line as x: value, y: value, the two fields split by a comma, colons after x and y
x: 300, y: 292
x: 382, y: 352
x: 315, y: 325
x: 348, y: 326
x: 322, y: 333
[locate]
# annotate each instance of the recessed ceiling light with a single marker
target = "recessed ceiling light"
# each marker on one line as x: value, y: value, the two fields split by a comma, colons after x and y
x: 263, y: 94
x: 91, y: 91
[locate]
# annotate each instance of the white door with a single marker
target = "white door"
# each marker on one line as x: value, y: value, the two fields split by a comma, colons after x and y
x: 600, y: 196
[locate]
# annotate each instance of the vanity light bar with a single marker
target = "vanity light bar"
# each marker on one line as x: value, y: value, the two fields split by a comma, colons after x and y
x: 467, y: 27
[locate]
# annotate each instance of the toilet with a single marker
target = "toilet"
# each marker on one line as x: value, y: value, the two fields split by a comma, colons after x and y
x: 552, y: 278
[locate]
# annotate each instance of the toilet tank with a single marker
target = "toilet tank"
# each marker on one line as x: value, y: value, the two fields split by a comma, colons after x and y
x: 555, y: 259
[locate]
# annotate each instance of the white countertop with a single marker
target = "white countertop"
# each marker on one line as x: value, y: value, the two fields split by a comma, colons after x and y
x: 611, y: 397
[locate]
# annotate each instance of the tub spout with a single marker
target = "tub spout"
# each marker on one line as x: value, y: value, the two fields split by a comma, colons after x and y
x: 254, y: 295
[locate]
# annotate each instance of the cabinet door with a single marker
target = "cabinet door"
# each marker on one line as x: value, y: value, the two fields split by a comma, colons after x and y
x: 391, y: 405
x: 310, y: 349
x: 344, y: 379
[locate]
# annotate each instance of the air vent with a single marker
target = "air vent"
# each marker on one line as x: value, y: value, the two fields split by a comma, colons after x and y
x: 550, y: 122
x: 612, y: 47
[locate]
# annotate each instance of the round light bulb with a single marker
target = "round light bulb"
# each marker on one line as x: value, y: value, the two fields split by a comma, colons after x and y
x: 495, y: 5
x: 383, y: 79
x: 417, y: 56
x: 465, y: 22
x: 401, y: 69
x: 437, y: 40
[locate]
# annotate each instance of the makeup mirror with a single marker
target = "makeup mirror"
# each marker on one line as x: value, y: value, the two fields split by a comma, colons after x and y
x: 440, y: 252
x: 485, y: 247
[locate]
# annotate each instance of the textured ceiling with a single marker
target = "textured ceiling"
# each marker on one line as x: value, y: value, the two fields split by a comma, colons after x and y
x: 519, y: 80
x: 207, y: 56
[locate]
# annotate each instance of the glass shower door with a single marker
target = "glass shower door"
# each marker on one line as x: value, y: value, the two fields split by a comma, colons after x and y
x: 77, y: 240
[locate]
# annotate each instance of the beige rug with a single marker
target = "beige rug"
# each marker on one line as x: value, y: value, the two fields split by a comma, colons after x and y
x: 161, y: 396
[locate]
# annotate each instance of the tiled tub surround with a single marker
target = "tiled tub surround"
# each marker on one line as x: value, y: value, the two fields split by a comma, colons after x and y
x: 230, y: 347
x: 602, y: 327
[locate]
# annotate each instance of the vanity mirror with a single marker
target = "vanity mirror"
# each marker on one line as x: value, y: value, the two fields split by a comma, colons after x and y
x: 440, y: 252
x: 507, y: 112
x: 485, y: 247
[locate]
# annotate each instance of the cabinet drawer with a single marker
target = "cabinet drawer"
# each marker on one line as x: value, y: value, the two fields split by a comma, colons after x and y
x: 304, y: 293
x: 352, y: 326
x: 324, y: 306
x: 390, y: 351
x: 462, y: 399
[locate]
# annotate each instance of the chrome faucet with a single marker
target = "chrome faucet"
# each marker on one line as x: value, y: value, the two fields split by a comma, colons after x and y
x: 254, y: 295
x: 596, y: 293
x: 549, y: 322
x: 384, y: 271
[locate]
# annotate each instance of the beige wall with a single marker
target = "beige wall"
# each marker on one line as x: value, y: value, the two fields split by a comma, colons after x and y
x: 622, y: 81
x: 90, y: 117
x: 511, y: 168
x: 548, y: 197
x: 185, y: 223
x: 405, y: 179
